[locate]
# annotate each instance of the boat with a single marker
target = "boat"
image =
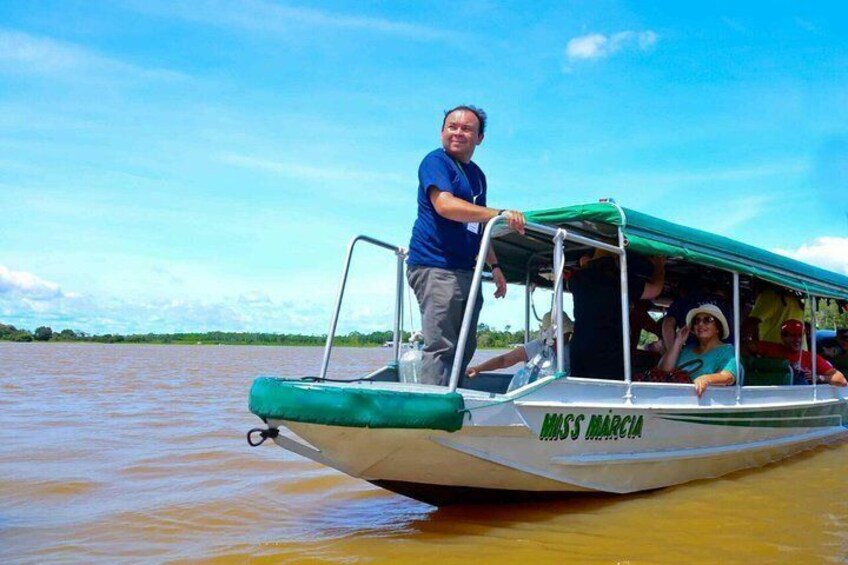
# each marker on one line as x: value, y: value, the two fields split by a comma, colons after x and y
x: 562, y: 434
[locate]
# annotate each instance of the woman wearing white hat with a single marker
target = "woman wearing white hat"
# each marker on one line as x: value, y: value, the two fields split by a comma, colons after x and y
x: 714, y: 361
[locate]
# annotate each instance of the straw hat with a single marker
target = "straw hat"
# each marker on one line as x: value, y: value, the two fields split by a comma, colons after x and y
x: 567, y: 324
x: 713, y: 311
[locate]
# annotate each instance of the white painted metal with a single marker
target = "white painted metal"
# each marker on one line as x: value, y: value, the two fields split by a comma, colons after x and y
x: 328, y: 347
x: 737, y: 324
x: 559, y: 261
x: 499, y: 445
x: 657, y: 434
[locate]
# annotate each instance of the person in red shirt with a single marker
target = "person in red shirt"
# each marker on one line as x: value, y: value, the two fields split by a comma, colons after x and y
x: 792, y: 337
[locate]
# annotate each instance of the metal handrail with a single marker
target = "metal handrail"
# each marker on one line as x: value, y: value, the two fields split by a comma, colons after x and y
x: 478, y: 276
x: 401, y: 254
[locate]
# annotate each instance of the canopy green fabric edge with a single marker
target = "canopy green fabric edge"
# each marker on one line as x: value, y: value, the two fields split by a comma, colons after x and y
x: 653, y: 236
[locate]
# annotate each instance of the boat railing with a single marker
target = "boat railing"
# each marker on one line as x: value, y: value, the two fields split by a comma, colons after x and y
x: 400, y: 253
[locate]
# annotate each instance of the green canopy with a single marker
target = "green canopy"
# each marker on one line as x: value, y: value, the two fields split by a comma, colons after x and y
x: 652, y: 236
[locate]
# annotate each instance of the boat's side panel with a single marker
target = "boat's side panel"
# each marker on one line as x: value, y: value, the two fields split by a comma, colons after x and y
x: 423, y: 457
x: 575, y: 435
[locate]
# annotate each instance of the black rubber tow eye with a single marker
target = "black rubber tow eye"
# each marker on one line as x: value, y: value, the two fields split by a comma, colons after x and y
x: 263, y: 435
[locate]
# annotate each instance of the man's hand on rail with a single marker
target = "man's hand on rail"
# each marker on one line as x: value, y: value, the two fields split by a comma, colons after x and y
x: 500, y: 283
x: 516, y: 220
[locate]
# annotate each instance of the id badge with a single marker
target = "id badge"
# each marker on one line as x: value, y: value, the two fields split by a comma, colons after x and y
x: 473, y: 227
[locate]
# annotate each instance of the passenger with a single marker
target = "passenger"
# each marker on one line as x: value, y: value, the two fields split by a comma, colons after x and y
x: 717, y: 359
x: 452, y: 209
x: 526, y: 352
x: 597, y: 349
x: 792, y: 335
x: 840, y: 353
x: 692, y: 293
x: 773, y: 306
x: 830, y: 349
x: 641, y: 320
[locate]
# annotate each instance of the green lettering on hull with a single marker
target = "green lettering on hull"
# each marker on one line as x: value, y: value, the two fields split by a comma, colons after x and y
x: 559, y: 426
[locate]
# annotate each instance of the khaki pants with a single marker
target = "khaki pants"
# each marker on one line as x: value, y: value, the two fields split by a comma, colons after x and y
x: 442, y: 297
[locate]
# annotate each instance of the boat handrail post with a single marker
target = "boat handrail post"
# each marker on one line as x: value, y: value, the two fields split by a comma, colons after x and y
x: 398, y: 329
x: 736, y: 337
x: 625, y: 320
x: 559, y: 262
x: 328, y: 347
x: 813, y: 310
x: 528, y: 296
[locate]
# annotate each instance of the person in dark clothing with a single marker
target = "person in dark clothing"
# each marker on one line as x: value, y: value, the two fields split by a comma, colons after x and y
x: 597, y: 349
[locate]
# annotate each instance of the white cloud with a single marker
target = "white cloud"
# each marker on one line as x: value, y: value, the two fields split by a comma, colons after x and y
x: 300, y: 171
x: 258, y: 15
x: 599, y: 46
x: 829, y: 253
x: 734, y: 25
x: 27, y: 301
x: 807, y: 25
x: 27, y: 286
x: 27, y: 53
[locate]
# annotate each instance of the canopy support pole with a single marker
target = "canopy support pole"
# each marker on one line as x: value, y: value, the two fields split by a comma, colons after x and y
x: 813, y: 344
x: 528, y: 296
x: 625, y: 319
x: 736, y: 337
x: 559, y: 262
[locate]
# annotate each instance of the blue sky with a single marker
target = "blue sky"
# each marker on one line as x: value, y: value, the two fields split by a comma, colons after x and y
x: 177, y: 166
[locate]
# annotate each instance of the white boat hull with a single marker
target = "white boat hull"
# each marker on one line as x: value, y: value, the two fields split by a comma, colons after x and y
x: 600, y: 440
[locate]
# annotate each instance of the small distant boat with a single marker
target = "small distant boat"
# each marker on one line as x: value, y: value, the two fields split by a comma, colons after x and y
x: 388, y: 343
x: 564, y: 433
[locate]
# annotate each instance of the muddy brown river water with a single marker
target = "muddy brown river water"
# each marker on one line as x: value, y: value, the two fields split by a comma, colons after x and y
x: 136, y: 454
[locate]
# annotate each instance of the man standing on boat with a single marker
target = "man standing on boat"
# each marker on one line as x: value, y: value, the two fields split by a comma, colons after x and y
x: 446, y: 240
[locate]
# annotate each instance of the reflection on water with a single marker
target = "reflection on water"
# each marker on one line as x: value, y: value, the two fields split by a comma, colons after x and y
x: 137, y: 453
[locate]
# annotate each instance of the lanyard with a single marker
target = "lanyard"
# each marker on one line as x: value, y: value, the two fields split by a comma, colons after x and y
x: 474, y: 197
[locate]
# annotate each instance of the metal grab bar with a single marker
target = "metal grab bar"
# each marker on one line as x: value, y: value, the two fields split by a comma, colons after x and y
x: 401, y: 255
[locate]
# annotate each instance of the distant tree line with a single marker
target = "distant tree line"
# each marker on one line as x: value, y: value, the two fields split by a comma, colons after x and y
x: 829, y: 315
x: 486, y: 337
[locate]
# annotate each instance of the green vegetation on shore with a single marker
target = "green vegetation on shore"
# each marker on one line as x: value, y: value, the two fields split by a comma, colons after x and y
x: 829, y: 315
x: 486, y: 337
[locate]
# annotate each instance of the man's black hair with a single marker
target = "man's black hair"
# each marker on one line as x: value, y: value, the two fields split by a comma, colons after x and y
x: 481, y: 115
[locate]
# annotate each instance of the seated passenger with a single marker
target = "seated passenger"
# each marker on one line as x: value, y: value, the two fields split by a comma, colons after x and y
x: 526, y: 352
x: 839, y: 350
x: 717, y: 360
x: 792, y: 336
x: 691, y: 292
x: 773, y: 306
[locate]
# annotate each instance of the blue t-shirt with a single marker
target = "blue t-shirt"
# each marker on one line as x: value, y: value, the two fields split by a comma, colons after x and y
x: 437, y: 241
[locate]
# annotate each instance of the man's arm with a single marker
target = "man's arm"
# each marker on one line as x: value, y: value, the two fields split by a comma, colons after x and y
x: 836, y: 378
x: 654, y: 285
x: 449, y: 206
x: 497, y: 274
x: 669, y: 359
x: 508, y: 359
x: 669, y: 326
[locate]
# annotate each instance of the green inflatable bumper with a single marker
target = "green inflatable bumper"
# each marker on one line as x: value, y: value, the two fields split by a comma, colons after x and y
x: 354, y: 405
